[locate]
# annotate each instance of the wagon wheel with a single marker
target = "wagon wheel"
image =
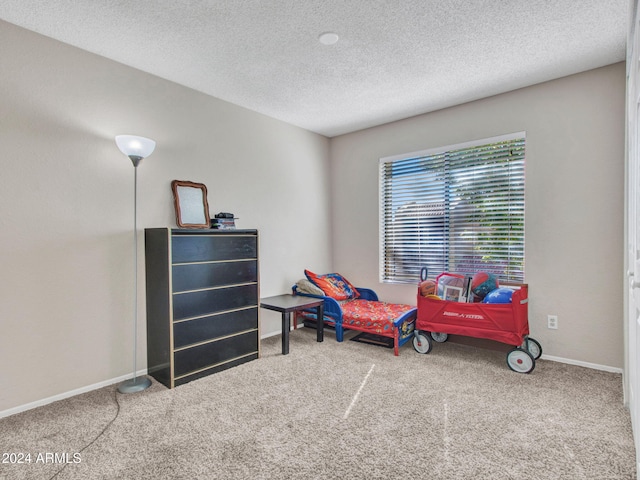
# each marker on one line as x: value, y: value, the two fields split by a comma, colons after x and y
x: 421, y: 343
x: 520, y: 360
x: 439, y: 337
x: 533, y: 347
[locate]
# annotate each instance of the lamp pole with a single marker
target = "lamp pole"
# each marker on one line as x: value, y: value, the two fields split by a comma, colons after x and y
x: 136, y: 148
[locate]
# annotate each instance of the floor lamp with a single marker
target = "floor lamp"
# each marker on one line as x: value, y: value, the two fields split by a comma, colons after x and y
x: 136, y: 148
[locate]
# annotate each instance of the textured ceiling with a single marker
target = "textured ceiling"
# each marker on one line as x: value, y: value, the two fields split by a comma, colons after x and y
x: 394, y: 59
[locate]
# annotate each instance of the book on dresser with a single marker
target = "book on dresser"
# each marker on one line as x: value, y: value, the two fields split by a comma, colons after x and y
x: 202, y: 302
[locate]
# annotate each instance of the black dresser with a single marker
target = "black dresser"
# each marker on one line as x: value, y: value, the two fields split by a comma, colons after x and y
x: 202, y: 302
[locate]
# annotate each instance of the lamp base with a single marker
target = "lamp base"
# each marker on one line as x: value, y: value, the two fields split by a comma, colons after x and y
x: 134, y: 385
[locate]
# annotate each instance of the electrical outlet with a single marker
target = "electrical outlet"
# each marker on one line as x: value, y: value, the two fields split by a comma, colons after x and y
x: 552, y: 322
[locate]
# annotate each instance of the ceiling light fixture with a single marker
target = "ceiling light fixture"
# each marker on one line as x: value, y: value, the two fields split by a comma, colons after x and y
x: 328, y: 38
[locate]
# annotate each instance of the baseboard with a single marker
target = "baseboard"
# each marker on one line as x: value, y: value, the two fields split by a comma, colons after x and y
x: 279, y: 332
x: 95, y: 386
x: 270, y: 334
x: 579, y: 363
x: 88, y: 388
x: 72, y: 393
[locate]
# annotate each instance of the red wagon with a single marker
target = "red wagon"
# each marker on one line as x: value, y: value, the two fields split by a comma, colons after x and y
x: 507, y: 323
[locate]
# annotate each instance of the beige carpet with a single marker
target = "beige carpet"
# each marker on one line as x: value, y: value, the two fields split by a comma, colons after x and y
x: 340, y: 411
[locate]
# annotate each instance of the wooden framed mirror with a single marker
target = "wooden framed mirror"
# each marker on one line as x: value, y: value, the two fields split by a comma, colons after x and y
x: 190, y: 200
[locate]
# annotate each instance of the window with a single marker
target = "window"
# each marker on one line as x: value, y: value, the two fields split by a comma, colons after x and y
x: 454, y: 209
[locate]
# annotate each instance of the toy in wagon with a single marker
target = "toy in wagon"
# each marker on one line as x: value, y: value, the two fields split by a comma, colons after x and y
x: 480, y: 308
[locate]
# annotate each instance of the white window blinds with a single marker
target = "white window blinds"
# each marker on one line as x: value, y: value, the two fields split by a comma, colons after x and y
x: 454, y: 210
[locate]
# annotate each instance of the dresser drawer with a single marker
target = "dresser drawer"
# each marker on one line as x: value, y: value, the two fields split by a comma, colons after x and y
x: 195, y: 276
x: 205, y: 302
x: 207, y: 328
x: 219, y: 351
x: 215, y: 369
x: 205, y: 248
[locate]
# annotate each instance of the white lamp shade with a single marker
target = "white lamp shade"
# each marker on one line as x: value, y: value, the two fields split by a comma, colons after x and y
x: 134, y: 146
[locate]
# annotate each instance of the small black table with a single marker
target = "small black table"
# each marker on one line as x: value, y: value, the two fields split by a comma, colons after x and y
x: 286, y: 304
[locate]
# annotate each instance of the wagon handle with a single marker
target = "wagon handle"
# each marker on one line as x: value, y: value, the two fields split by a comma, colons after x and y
x: 423, y: 274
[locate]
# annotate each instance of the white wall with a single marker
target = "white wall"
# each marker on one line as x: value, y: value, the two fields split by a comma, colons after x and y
x: 66, y: 300
x: 574, y: 202
x: 66, y: 196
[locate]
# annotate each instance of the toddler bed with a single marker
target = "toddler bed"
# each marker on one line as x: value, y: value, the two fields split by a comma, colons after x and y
x: 351, y: 308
